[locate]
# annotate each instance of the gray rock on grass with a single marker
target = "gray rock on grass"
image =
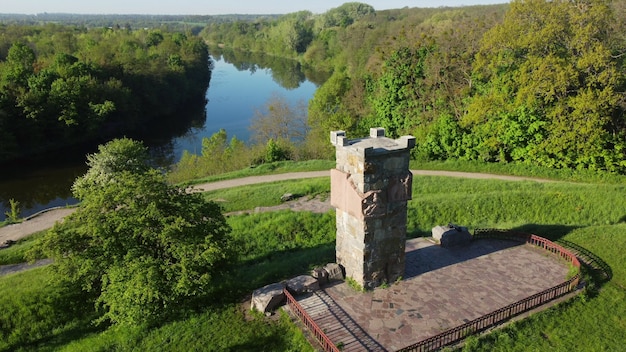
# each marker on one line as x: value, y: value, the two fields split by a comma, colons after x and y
x: 267, y: 298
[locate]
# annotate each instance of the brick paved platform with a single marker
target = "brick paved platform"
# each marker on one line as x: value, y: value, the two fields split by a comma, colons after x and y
x: 443, y: 288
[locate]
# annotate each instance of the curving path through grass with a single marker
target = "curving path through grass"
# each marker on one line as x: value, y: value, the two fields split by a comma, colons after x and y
x: 44, y: 220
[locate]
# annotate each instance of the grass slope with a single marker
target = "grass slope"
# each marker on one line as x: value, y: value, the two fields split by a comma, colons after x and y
x: 37, y: 314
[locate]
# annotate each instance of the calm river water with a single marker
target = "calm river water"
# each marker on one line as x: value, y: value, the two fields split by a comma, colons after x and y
x: 240, y: 84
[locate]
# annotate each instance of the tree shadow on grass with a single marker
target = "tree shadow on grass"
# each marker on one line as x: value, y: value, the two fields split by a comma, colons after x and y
x: 242, y: 277
x: 53, y: 342
x: 553, y: 232
x: 265, y: 343
x: 70, y: 318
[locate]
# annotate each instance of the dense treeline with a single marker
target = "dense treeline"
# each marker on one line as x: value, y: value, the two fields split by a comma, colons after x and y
x: 193, y: 23
x: 533, y: 81
x: 63, y: 85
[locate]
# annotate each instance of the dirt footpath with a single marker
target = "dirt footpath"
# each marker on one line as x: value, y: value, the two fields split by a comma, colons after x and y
x: 35, y: 223
x: 46, y: 219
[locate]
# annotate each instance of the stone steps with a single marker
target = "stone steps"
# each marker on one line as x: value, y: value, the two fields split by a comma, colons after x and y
x: 337, y: 325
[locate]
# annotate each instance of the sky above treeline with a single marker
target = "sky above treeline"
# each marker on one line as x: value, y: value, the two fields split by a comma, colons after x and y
x: 209, y: 7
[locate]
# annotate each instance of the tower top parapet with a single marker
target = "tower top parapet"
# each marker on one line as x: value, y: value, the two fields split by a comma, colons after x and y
x: 376, y: 143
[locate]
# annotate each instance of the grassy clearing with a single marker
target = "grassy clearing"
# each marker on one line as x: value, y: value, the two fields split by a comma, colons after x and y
x: 225, y: 328
x: 274, y: 246
x: 534, y: 206
x: 267, y: 194
x: 517, y: 169
x: 37, y: 314
x: 279, y: 167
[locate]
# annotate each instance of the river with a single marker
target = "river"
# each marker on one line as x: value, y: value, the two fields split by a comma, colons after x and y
x: 241, y: 83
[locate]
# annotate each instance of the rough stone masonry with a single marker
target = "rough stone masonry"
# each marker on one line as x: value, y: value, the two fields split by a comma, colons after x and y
x: 370, y: 187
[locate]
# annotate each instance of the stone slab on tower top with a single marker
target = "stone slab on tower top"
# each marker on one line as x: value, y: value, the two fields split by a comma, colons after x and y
x: 375, y: 143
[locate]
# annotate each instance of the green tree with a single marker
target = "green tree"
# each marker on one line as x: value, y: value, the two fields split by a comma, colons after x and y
x: 279, y: 120
x: 327, y: 112
x: 112, y: 159
x: 549, y: 69
x: 275, y: 152
x: 140, y: 245
x: 397, y: 96
x: 63, y: 85
x: 344, y: 15
x: 218, y: 155
x: 19, y: 65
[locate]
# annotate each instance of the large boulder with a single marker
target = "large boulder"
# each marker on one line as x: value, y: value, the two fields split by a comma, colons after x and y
x: 335, y: 272
x: 267, y: 298
x: 451, y: 235
x: 320, y: 274
x: 302, y: 284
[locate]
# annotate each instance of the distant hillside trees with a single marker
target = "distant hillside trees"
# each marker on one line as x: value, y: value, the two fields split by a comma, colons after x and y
x: 65, y: 85
x: 550, y: 87
x: 533, y: 81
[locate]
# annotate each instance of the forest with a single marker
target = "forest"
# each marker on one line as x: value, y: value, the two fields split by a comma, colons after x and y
x: 64, y: 85
x: 534, y: 82
x: 143, y: 264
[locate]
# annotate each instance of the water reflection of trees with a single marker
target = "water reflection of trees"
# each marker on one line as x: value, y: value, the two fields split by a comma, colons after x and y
x: 288, y: 73
x: 160, y: 139
x: 34, y: 187
x: 46, y: 181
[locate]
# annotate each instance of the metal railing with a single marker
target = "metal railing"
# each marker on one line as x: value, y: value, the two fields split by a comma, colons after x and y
x: 494, y: 318
x: 306, y: 319
x: 477, y: 325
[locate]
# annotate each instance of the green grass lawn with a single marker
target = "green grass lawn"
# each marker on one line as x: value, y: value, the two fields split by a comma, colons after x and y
x: 279, y: 167
x: 267, y: 194
x: 38, y: 315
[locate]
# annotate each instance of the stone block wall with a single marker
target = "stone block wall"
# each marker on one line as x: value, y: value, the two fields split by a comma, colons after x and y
x: 370, y: 187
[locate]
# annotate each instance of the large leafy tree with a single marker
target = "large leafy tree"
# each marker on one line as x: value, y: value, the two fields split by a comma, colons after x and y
x: 112, y: 159
x: 548, y: 87
x: 142, y: 246
x: 397, y: 96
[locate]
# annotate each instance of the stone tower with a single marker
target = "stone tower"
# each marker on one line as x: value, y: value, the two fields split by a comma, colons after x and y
x: 370, y: 187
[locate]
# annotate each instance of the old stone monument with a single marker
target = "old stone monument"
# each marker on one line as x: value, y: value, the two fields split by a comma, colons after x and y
x: 370, y: 187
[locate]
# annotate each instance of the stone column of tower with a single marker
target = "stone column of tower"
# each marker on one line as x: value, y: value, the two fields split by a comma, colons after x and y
x: 370, y: 187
